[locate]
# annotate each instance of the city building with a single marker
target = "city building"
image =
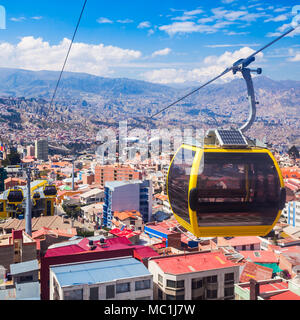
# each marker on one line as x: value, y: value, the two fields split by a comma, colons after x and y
x: 14, y: 182
x: 130, y: 219
x: 291, y: 213
x: 85, y: 250
x: 92, y: 196
x: 127, y: 196
x: 41, y: 150
x: 112, y: 279
x: 194, y: 276
x: 16, y: 247
x: 30, y: 151
x: 115, y: 173
x: 271, y: 289
x: 24, y: 284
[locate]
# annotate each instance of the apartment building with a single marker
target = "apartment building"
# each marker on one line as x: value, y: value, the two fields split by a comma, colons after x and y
x: 41, y: 150
x: 113, y: 279
x: 115, y: 173
x: 127, y: 196
x: 194, y: 276
x: 291, y: 213
x: 16, y: 247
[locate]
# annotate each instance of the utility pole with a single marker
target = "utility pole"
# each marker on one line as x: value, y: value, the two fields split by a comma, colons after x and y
x: 28, y: 213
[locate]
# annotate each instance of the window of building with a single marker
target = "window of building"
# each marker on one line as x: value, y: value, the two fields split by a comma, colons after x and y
x: 229, y: 278
x: 143, y: 298
x: 201, y: 297
x: 211, y: 294
x: 26, y: 278
x: 110, y: 292
x: 73, y: 294
x: 229, y: 292
x: 94, y: 293
x: 123, y: 287
x: 177, y: 297
x: 175, y: 284
x: 212, y: 279
x: 160, y: 279
x: 197, y: 283
x: 159, y: 294
x: 142, y: 285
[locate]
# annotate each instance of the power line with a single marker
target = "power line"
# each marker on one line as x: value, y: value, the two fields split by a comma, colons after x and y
x: 66, y: 59
x: 232, y: 68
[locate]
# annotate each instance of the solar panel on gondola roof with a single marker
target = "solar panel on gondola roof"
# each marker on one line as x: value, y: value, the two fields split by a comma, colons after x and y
x: 231, y: 138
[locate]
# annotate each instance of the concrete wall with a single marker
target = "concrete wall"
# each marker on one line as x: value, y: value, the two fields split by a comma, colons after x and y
x: 6, y: 256
x: 132, y: 295
x: 126, y: 198
x: 155, y: 270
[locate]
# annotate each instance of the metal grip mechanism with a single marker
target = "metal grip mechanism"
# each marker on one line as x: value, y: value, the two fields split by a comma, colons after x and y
x: 246, y: 72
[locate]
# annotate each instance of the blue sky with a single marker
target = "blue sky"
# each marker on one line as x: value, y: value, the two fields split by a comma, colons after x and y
x: 170, y: 42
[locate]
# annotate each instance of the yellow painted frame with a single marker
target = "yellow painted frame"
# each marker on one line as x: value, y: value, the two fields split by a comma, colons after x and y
x: 193, y: 227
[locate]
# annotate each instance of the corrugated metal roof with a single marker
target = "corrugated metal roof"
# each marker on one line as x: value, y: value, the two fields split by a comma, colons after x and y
x: 99, y: 271
x: 24, y: 267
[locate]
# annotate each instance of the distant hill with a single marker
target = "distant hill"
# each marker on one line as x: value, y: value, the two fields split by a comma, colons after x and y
x: 40, y: 84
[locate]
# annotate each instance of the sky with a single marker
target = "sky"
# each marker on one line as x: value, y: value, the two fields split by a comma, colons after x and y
x: 162, y: 41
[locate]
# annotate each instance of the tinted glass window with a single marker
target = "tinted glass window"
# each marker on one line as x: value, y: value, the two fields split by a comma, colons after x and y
x: 178, y: 182
x: 237, y: 189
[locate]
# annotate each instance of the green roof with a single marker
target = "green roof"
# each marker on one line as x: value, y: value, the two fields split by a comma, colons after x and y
x: 273, y: 266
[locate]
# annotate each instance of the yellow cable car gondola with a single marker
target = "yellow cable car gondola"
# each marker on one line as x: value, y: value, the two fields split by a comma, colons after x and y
x: 15, y: 196
x: 225, y: 190
x: 50, y: 191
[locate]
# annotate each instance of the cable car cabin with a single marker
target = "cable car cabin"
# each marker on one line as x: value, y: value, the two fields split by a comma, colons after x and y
x: 225, y: 189
x: 36, y: 197
x: 50, y: 191
x: 15, y: 196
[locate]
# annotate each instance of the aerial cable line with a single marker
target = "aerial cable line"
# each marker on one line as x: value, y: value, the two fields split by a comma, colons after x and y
x: 234, y: 68
x: 66, y: 59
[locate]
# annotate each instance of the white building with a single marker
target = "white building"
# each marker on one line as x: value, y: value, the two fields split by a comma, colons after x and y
x: 114, y: 279
x: 194, y: 276
x: 92, y: 196
x: 291, y: 213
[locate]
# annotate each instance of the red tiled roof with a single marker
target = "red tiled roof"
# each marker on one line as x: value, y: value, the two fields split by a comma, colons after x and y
x: 254, y: 271
x: 144, y: 252
x: 124, y: 233
x: 241, y: 241
x: 260, y: 256
x: 288, y: 295
x: 83, y: 246
x: 193, y: 262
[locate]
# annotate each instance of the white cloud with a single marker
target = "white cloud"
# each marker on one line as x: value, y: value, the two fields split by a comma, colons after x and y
x: 186, y: 27
x: 284, y: 28
x: 125, y: 21
x: 193, y: 12
x: 212, y: 66
x: 104, y: 20
x: 37, y: 18
x: 163, y: 52
x: 295, y: 56
x: 18, y: 19
x: 36, y: 54
x: 144, y: 24
x: 281, y: 17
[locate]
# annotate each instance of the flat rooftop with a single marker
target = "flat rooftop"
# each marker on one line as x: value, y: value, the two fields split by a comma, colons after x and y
x: 194, y: 262
x: 99, y: 271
